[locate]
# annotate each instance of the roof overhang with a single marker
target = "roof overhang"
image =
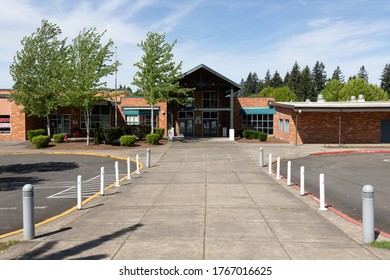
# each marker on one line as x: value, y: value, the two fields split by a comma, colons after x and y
x: 367, y: 106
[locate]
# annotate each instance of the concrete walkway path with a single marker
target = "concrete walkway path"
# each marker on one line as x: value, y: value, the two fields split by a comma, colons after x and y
x: 200, y: 200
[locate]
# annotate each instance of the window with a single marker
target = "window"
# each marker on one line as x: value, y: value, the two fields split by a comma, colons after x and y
x: 210, y: 99
x: 5, y: 116
x: 263, y: 123
x: 281, y: 125
x: 287, y: 125
x: 210, y: 115
x: 100, y: 117
x: 141, y: 119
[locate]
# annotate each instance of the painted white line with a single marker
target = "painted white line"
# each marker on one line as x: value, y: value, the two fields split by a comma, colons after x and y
x: 386, y: 160
x: 40, y: 207
x: 8, y: 208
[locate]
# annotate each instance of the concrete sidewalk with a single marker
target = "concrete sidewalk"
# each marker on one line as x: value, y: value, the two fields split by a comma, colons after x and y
x: 201, y: 200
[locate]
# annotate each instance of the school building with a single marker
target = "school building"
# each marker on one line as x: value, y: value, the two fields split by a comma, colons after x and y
x: 356, y: 121
x: 210, y: 111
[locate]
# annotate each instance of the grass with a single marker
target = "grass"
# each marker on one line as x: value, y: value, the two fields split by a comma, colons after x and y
x: 5, y: 245
x: 381, y: 244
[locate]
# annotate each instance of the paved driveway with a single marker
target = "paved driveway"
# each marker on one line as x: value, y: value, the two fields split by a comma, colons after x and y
x: 54, y: 179
x: 345, y: 175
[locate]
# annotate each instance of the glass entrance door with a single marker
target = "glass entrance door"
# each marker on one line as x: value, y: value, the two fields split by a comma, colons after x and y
x: 210, y: 128
x: 186, y: 127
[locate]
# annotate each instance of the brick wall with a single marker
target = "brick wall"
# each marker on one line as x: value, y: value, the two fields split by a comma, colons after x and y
x: 140, y: 101
x: 323, y: 127
x: 245, y: 102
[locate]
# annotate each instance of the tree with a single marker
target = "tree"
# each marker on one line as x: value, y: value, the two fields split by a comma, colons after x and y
x: 294, y: 78
x: 158, y: 76
x: 267, y: 79
x: 306, y: 86
x: 385, y: 79
x: 38, y: 71
x: 276, y: 80
x: 319, y: 77
x: 338, y: 75
x: 89, y: 62
x: 280, y: 94
x: 359, y: 86
x: 363, y: 73
x: 331, y: 92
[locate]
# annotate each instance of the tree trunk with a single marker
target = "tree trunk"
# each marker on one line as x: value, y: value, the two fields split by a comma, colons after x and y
x: 87, y: 121
x: 151, y: 118
x: 48, y: 126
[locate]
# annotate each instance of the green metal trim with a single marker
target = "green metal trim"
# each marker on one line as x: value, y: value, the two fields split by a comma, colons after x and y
x: 258, y: 111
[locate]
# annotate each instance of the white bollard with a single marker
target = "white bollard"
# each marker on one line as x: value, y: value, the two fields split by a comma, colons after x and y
x: 261, y: 157
x: 302, y: 183
x: 79, y: 193
x: 322, y: 193
x: 270, y: 164
x: 137, y: 158
x: 117, y: 175
x: 278, y: 168
x: 289, y: 173
x: 148, y: 158
x: 368, y: 214
x: 128, y: 168
x: 102, y: 181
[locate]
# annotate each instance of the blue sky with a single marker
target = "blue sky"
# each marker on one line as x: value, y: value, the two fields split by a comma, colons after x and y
x: 232, y: 37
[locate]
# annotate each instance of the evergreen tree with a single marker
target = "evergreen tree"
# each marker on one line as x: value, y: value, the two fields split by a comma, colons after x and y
x: 267, y: 79
x: 250, y: 85
x: 363, y: 73
x: 385, y: 79
x: 306, y: 86
x: 319, y: 77
x: 259, y: 86
x: 276, y: 80
x: 294, y: 78
x: 286, y: 78
x: 338, y: 75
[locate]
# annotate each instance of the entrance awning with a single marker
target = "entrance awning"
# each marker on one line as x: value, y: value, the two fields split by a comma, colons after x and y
x: 132, y: 111
x: 257, y: 111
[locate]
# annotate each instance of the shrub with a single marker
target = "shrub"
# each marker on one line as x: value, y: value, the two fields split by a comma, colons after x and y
x: 98, y: 136
x: 159, y: 131
x: 58, y: 138
x: 239, y: 133
x: 263, y: 136
x: 251, y: 134
x: 32, y: 133
x: 143, y: 130
x: 41, y: 141
x: 128, y: 140
x: 153, y: 139
x: 112, y: 135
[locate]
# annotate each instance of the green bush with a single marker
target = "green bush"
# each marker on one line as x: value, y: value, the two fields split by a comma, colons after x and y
x: 98, y: 136
x: 251, y: 134
x: 159, y: 131
x: 239, y: 133
x: 153, y: 139
x: 138, y: 130
x: 263, y: 136
x: 58, y: 138
x: 41, y: 141
x: 128, y: 140
x: 112, y: 135
x: 35, y: 132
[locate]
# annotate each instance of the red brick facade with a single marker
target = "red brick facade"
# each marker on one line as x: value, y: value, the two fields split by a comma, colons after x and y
x: 330, y: 127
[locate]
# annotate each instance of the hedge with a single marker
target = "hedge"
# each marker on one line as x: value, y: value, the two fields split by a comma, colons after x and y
x: 159, y: 131
x: 251, y: 134
x: 35, y: 132
x: 112, y: 135
x: 153, y: 139
x: 58, y: 138
x: 263, y: 136
x: 128, y: 140
x: 41, y: 141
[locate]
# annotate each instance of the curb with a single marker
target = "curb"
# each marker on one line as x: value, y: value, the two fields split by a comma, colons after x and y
x: 346, y: 152
x: 85, y: 201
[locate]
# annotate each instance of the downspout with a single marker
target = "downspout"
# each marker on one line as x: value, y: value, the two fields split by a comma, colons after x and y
x: 296, y: 127
x: 231, y: 109
x: 340, y: 127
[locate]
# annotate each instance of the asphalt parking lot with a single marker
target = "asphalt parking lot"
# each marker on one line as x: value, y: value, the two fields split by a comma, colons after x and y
x: 54, y: 179
x: 345, y: 176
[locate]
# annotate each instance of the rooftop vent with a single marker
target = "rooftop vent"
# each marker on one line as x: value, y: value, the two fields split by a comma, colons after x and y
x: 320, y: 98
x: 353, y: 98
x: 361, y: 98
